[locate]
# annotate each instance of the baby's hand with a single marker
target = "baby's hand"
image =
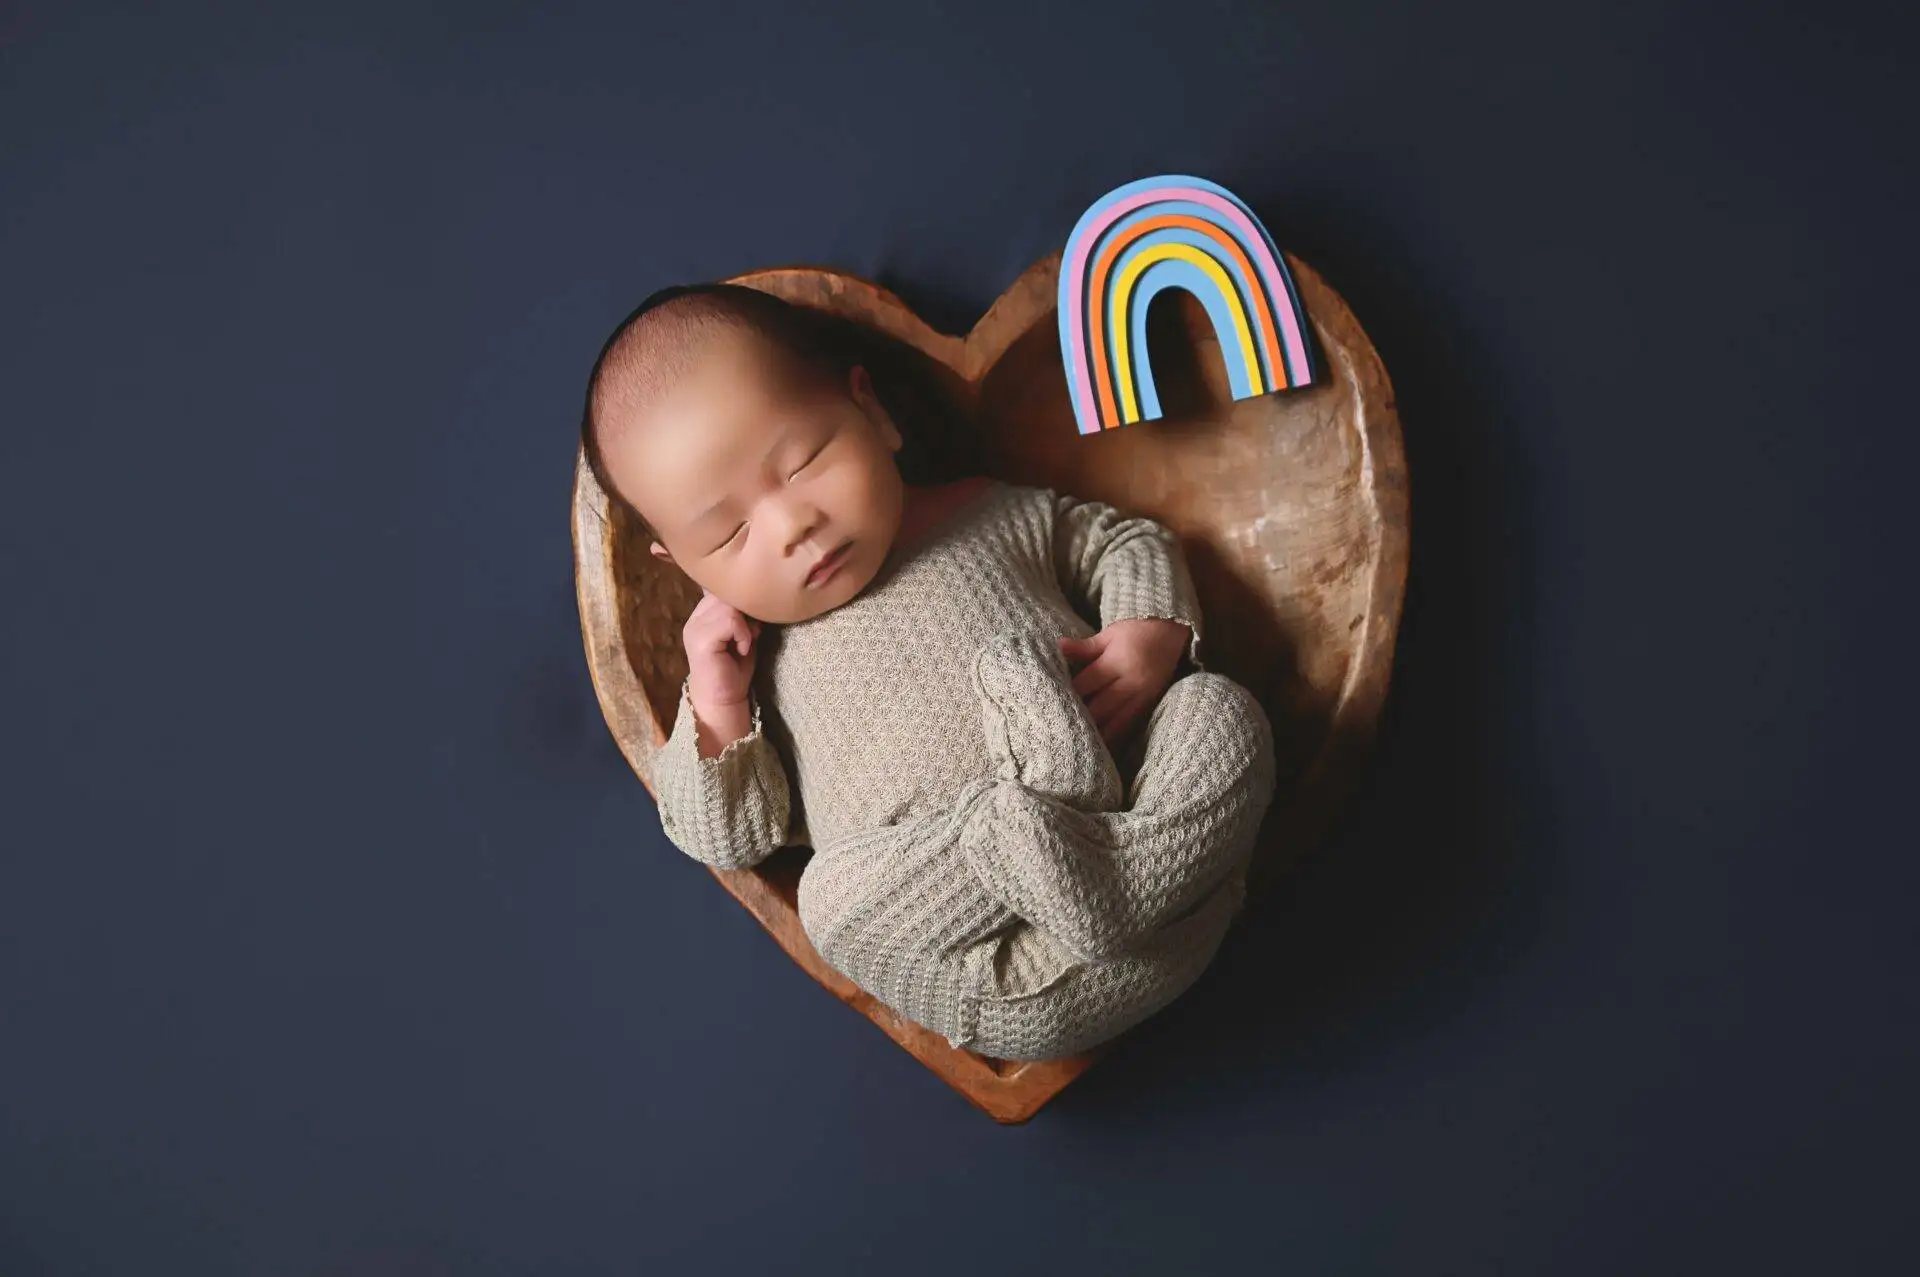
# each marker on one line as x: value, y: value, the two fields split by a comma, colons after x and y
x: 720, y: 657
x: 1129, y: 665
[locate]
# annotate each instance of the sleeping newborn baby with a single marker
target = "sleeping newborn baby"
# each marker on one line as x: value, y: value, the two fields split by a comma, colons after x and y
x: 956, y: 727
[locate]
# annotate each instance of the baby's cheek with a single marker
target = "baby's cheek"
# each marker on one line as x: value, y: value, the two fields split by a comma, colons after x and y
x: 863, y: 491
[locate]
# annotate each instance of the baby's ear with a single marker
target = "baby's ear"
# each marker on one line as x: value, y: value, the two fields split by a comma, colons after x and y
x: 860, y: 386
x: 660, y: 552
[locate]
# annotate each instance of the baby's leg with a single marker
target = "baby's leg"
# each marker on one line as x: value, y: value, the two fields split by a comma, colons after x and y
x: 1092, y: 1002
x: 898, y: 911
x: 1055, y: 839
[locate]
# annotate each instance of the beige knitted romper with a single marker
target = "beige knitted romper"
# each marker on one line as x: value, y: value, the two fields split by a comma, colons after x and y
x: 980, y: 864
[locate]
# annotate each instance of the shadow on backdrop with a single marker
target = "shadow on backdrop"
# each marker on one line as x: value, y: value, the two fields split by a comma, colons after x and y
x: 1419, y: 894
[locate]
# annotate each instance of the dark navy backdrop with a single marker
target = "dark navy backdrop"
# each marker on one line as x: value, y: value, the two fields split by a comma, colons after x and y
x: 336, y: 938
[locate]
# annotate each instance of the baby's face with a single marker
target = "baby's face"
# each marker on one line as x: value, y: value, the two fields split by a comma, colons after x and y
x: 750, y: 482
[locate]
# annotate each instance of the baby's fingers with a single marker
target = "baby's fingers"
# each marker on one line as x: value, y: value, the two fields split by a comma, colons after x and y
x: 1112, y: 709
x: 1100, y: 673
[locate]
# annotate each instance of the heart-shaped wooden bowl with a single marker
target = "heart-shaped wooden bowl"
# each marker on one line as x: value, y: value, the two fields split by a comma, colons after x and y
x: 1292, y: 509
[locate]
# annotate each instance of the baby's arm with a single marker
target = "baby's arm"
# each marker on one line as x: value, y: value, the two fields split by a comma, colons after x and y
x: 1123, y: 567
x: 729, y: 811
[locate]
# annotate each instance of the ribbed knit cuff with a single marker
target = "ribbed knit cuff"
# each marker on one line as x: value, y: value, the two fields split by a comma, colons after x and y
x: 1153, y: 583
x: 729, y: 811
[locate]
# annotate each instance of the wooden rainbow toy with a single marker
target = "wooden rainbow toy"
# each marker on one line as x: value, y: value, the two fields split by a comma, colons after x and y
x: 1173, y: 232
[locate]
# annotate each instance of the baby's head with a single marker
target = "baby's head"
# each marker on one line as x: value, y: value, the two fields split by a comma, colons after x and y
x: 748, y: 445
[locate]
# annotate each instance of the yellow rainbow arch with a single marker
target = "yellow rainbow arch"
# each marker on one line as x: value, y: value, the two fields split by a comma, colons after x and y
x: 1123, y: 297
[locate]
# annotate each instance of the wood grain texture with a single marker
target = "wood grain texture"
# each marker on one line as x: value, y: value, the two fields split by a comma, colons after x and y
x: 1292, y: 507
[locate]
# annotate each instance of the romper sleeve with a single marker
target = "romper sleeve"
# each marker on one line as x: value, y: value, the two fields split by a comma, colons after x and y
x: 729, y: 811
x: 1123, y: 567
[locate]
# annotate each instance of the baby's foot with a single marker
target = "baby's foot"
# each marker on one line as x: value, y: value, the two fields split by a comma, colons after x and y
x: 1039, y: 731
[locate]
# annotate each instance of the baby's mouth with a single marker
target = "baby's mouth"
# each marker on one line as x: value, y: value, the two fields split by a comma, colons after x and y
x: 830, y: 564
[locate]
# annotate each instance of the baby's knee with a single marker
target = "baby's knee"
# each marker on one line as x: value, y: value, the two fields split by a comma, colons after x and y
x: 1210, y: 698
x: 1209, y: 712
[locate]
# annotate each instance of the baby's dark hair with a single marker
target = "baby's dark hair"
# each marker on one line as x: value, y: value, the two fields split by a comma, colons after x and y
x: 658, y: 340
x: 655, y: 343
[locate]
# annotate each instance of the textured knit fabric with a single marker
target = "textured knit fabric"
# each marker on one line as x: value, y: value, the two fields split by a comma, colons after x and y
x: 980, y: 864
